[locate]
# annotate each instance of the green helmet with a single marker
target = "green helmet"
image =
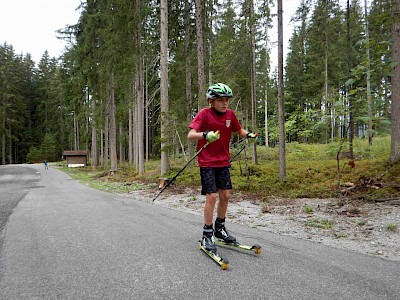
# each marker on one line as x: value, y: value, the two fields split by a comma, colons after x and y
x: 219, y: 90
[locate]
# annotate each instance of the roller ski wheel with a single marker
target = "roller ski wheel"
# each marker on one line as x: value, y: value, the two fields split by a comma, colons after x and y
x: 223, y: 263
x: 255, y: 248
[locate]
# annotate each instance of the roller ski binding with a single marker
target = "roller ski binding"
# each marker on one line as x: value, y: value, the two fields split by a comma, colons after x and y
x: 224, y: 238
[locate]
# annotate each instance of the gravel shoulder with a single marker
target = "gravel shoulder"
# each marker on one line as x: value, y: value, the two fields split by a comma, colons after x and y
x: 369, y: 228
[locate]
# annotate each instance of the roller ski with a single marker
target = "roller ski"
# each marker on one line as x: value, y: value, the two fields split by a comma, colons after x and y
x: 225, y: 239
x: 255, y: 248
x: 223, y: 263
x: 207, y: 244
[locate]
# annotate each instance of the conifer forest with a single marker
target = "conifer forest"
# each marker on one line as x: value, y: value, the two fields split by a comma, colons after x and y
x: 135, y: 73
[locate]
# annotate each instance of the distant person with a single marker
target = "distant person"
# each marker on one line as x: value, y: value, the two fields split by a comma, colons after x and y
x: 46, y: 165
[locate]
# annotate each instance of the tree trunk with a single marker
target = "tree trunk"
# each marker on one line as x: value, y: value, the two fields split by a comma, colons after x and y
x: 3, y: 139
x: 106, y: 145
x: 95, y: 153
x: 200, y: 55
x: 130, y: 138
x: 121, y: 143
x: 3, y: 149
x: 266, y: 88
x: 188, y: 72
x: 140, y: 119
x: 369, y: 100
x: 10, y: 160
x: 351, y: 115
x: 164, y: 86
x: 209, y: 9
x: 135, y: 135
x: 75, y: 132
x: 102, y: 147
x: 112, y: 125
x: 147, y: 127
x: 281, y: 99
x: 140, y: 89
x: 395, y: 137
x: 253, y: 79
x: 326, y: 85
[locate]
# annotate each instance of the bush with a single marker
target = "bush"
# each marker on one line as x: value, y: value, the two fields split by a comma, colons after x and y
x: 34, y: 155
x: 49, y: 148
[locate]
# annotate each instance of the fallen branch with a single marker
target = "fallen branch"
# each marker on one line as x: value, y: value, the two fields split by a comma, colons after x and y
x: 397, y: 200
x: 363, y: 184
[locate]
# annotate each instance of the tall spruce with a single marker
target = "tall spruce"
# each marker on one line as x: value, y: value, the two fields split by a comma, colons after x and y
x: 253, y: 76
x: 265, y: 62
x: 395, y: 109
x: 188, y: 69
x: 368, y: 77
x: 281, y: 97
x: 164, y: 86
x: 201, y: 73
x: 297, y: 101
x: 380, y: 25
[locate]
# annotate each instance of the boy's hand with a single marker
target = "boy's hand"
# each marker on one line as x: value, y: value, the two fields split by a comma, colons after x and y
x: 211, y: 136
x: 252, y: 137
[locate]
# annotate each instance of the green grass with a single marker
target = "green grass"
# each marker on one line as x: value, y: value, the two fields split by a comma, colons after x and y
x: 319, y: 223
x: 392, y: 227
x: 97, y: 180
x: 361, y: 222
x: 308, y: 209
x: 311, y: 172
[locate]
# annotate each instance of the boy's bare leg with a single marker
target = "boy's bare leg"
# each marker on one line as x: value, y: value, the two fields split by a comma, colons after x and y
x: 211, y: 199
x: 224, y: 196
x: 220, y: 230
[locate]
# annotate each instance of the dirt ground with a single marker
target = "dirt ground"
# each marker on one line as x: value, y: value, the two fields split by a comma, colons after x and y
x: 369, y: 228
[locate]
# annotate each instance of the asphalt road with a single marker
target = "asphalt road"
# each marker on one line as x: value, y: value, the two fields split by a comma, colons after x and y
x: 67, y: 241
x: 15, y: 182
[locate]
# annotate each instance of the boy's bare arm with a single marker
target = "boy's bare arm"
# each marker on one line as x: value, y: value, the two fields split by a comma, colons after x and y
x: 242, y: 133
x: 194, y: 135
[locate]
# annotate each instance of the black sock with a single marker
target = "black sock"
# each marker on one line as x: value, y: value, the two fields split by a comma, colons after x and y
x: 220, y: 221
x: 208, y: 226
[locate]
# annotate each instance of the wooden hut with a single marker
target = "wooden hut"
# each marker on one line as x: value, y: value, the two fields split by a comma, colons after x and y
x: 76, y: 158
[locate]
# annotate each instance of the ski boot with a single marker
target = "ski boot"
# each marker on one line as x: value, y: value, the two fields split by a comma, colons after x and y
x: 207, y: 240
x: 222, y: 233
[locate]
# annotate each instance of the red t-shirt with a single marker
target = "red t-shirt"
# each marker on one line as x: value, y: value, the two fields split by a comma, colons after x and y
x: 216, y: 154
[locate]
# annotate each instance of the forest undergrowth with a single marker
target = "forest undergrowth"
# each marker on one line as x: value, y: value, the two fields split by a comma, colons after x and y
x: 312, y: 171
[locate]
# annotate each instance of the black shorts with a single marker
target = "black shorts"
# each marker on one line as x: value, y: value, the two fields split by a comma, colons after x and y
x: 213, y: 179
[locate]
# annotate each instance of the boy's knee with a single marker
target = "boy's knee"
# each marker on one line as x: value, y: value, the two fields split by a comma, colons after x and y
x: 224, y: 195
x: 212, y: 198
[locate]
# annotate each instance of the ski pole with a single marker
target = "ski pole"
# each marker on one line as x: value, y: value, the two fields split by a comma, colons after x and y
x: 181, y: 170
x: 244, y: 146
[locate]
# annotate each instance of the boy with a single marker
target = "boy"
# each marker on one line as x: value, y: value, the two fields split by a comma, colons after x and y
x: 214, y: 125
